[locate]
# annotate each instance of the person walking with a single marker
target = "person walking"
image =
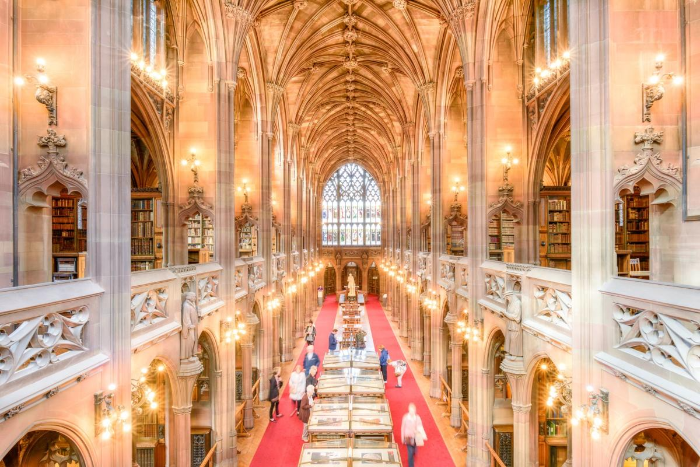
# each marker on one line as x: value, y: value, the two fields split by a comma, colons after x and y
x: 333, y: 340
x: 274, y: 395
x: 412, y: 433
x: 311, y: 380
x: 399, y: 370
x: 307, y: 402
x: 310, y: 333
x: 297, y: 387
x: 383, y: 361
x: 311, y: 359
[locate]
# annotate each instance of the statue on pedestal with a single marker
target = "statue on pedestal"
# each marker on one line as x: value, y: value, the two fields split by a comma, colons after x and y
x: 190, y: 320
x: 351, y: 286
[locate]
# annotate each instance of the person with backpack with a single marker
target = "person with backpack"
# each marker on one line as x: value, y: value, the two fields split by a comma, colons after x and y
x: 383, y: 361
x: 310, y: 333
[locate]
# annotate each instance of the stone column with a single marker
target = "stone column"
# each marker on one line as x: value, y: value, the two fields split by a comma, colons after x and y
x: 247, y: 381
x: 516, y: 373
x: 190, y: 369
x: 426, y: 344
x: 438, y: 357
x: 456, y: 341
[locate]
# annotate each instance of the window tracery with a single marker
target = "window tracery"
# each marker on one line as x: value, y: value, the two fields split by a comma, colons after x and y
x: 351, y: 208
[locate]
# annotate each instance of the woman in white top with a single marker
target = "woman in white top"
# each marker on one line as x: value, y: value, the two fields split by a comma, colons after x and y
x: 297, y: 387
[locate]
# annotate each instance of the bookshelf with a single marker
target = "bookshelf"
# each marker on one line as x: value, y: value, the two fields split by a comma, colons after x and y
x: 248, y: 240
x: 68, y: 237
x: 623, y: 254
x: 143, y: 256
x: 634, y: 234
x: 200, y: 235
x: 556, y: 230
x: 501, y: 237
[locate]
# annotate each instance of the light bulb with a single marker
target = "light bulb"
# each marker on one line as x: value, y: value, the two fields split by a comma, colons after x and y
x: 106, y: 435
x: 106, y: 422
x: 164, y: 72
x: 43, y: 79
x: 677, y: 80
x: 654, y: 79
x: 516, y: 161
x: 550, y: 403
x: 227, y: 340
x: 142, y: 379
x: 126, y: 427
x: 544, y: 367
x: 142, y: 64
x: 161, y: 367
x: 123, y: 415
x: 197, y: 162
x: 660, y: 57
x: 595, y: 434
x: 183, y: 162
x: 112, y: 387
x: 237, y: 337
x: 19, y: 81
x: 538, y: 70
x: 579, y: 414
x: 154, y: 405
x: 144, y: 370
x: 149, y: 69
x: 134, y: 57
x: 545, y: 74
x: 566, y: 55
x: 590, y: 388
x: 574, y: 421
x: 164, y: 83
x: 504, y: 161
x: 597, y: 421
x: 40, y: 61
x: 536, y: 81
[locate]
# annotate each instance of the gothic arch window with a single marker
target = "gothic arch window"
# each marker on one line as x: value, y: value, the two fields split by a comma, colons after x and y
x: 351, y: 208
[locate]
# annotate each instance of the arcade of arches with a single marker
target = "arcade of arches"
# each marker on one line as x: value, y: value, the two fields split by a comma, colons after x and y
x: 506, y: 192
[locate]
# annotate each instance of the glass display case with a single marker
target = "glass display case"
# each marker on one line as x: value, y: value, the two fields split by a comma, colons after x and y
x: 350, y: 381
x: 350, y: 452
x: 351, y: 416
x: 351, y: 358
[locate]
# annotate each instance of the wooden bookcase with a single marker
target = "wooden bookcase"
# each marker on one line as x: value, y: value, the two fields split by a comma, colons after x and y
x: 144, y: 229
x: 200, y: 235
x: 632, y: 235
x: 68, y: 237
x: 555, y: 230
x: 501, y: 237
x: 248, y: 240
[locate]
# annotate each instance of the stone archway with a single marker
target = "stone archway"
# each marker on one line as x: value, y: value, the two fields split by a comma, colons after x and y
x: 373, y: 280
x: 329, y: 280
x: 352, y: 268
x: 44, y: 448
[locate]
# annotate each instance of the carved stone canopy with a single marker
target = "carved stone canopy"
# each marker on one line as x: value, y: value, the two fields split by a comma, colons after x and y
x: 648, y: 171
x: 195, y: 204
x: 506, y: 203
x: 50, y: 168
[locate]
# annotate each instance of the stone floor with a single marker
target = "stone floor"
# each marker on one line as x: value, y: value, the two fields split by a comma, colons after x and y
x: 247, y: 446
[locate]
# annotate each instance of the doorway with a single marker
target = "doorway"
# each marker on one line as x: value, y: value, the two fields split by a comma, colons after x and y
x: 354, y: 269
x: 329, y: 284
x: 373, y: 280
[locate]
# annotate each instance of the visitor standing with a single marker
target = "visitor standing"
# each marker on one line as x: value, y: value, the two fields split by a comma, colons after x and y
x: 412, y: 433
x: 399, y: 370
x: 312, y: 380
x: 333, y: 340
x: 297, y: 387
x: 307, y: 402
x: 274, y: 395
x: 310, y: 333
x: 311, y: 359
x: 383, y: 361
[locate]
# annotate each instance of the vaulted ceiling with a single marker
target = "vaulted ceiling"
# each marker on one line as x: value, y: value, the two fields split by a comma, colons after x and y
x: 351, y: 73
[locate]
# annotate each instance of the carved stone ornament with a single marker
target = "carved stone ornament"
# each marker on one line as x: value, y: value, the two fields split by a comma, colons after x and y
x: 234, y: 11
x: 51, y: 168
x: 464, y: 11
x: 649, y: 165
x: 46, y: 95
x: 400, y: 4
x: 148, y: 307
x: 195, y: 204
x: 554, y: 306
x: 507, y: 203
x: 29, y: 345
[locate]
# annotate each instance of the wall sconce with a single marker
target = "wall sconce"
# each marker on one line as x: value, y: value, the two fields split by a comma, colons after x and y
x: 456, y: 188
x: 431, y: 301
x: 290, y: 287
x: 244, y: 189
x: 596, y: 412
x: 470, y: 332
x: 194, y: 163
x: 543, y: 76
x: 653, y: 90
x: 108, y: 418
x: 303, y: 278
x: 272, y: 303
x: 45, y: 93
x: 508, y: 162
x: 232, y: 328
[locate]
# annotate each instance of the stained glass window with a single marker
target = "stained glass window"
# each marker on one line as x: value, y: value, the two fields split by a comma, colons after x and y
x: 351, y: 208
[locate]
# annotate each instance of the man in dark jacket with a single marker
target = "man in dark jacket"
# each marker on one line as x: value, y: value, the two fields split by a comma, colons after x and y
x: 383, y: 361
x: 312, y: 380
x: 275, y: 385
x: 332, y: 340
x: 311, y: 359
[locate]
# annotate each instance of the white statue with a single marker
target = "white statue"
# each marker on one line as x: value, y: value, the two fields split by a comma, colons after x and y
x: 351, y: 286
x: 190, y: 319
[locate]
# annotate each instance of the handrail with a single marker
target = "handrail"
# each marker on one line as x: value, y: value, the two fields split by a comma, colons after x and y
x: 240, y: 429
x: 494, y: 457
x: 446, y: 397
x: 464, y: 426
x: 256, y: 393
x: 209, y: 461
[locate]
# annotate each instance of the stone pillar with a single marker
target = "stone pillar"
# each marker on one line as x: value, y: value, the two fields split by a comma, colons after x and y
x: 426, y: 344
x: 437, y: 247
x: 516, y: 373
x: 247, y: 381
x: 190, y: 369
x: 456, y: 342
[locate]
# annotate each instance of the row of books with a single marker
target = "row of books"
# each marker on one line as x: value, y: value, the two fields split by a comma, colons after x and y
x: 638, y: 225
x: 141, y: 216
x: 63, y: 202
x: 638, y: 247
x: 562, y: 227
x: 559, y: 248
x: 141, y: 247
x: 638, y: 237
x: 63, y: 233
x: 142, y: 229
x: 637, y: 214
x: 559, y: 238
x: 62, y: 221
x: 559, y: 216
x: 63, y: 212
x: 141, y: 204
x: 558, y: 204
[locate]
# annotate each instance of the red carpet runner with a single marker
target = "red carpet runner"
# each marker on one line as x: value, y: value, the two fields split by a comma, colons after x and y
x: 435, y: 452
x: 281, y: 443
